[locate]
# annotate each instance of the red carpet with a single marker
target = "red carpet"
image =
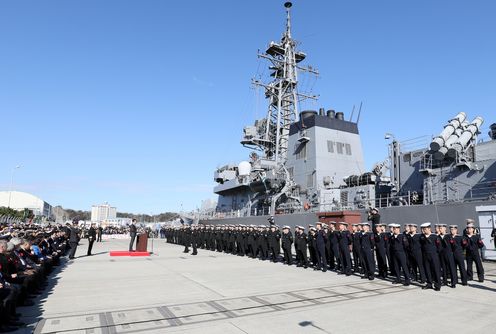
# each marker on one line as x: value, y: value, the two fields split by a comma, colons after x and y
x: 127, y: 253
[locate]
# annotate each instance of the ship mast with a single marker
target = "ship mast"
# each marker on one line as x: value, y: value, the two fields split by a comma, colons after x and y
x: 282, y: 95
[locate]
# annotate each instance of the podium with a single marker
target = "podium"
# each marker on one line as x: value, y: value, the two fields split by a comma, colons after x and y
x: 142, y: 242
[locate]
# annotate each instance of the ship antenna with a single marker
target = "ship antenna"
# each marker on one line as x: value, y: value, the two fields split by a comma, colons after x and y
x: 288, y: 6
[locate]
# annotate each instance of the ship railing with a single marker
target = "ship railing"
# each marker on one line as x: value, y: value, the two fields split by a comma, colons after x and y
x: 400, y: 200
x: 480, y: 191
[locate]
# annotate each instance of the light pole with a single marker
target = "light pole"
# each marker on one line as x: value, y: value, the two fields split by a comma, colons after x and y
x: 12, y: 182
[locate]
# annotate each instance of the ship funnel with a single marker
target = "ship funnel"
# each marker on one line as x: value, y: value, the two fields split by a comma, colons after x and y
x: 453, y: 124
x: 331, y: 113
x: 467, y: 135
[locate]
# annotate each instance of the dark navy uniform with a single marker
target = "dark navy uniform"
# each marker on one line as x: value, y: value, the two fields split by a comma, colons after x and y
x: 457, y: 247
x: 380, y: 252
x: 301, y: 248
x: 320, y: 245
x: 447, y: 260
x: 344, y: 242
x: 398, y: 244
x: 430, y: 256
x: 366, y: 247
x: 287, y: 241
x: 472, y: 244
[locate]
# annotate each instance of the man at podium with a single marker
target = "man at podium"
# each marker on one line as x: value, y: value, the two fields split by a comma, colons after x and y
x: 132, y: 233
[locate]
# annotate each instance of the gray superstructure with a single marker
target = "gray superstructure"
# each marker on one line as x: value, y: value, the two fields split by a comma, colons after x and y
x: 312, y: 161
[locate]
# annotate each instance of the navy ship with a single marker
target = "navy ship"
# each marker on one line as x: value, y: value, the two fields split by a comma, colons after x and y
x: 305, y: 163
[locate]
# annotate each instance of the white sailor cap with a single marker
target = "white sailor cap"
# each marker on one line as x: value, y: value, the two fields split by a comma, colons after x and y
x: 313, y: 229
x: 285, y: 227
x: 325, y: 226
x: 442, y: 225
x: 301, y: 227
x: 453, y: 226
x: 390, y: 225
x: 365, y: 224
x: 332, y: 223
x: 427, y: 224
x: 343, y: 223
x: 412, y: 225
x: 310, y: 225
x: 470, y: 225
x: 318, y: 223
x: 395, y: 225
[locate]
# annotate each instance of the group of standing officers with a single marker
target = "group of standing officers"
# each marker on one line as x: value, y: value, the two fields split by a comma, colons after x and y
x: 432, y: 258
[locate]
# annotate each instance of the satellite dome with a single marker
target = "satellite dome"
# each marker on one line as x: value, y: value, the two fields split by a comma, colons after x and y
x: 244, y: 168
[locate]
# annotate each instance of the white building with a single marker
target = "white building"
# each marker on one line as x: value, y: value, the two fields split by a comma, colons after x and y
x: 103, y: 212
x: 19, y: 201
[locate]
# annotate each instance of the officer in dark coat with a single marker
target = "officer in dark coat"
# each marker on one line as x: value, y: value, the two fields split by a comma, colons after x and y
x: 458, y: 253
x: 472, y: 243
x: 446, y: 256
x: 186, y: 230
x: 334, y: 262
x: 73, y: 238
x: 195, y: 239
x: 274, y: 237
x: 344, y: 245
x: 301, y: 244
x: 357, y: 256
x: 91, y: 238
x: 430, y: 255
x: 320, y: 245
x: 251, y: 241
x: 415, y: 254
x: 287, y: 242
x: 367, y: 241
x: 132, y: 234
x: 374, y: 217
x: 264, y: 243
x: 311, y: 245
x: 398, y: 244
x: 380, y: 250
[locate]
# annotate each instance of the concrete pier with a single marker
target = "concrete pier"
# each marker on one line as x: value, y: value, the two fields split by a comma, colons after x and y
x: 218, y: 293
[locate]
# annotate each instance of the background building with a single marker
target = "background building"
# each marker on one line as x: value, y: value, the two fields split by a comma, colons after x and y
x: 103, y: 212
x: 20, y: 200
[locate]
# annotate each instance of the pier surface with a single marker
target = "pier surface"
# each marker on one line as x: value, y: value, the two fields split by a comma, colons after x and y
x: 218, y: 293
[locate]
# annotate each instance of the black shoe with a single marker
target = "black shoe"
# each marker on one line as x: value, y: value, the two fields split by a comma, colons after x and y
x: 396, y: 282
x: 437, y: 288
x: 481, y: 280
x: 371, y: 278
x: 426, y: 287
x: 453, y: 286
x: 406, y: 283
x: 464, y: 283
x: 194, y: 253
x: 363, y: 277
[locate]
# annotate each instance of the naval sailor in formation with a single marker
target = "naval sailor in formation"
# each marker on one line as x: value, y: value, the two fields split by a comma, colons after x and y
x: 433, y: 259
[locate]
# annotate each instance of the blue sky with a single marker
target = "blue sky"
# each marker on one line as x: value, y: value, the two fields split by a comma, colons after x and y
x: 137, y: 102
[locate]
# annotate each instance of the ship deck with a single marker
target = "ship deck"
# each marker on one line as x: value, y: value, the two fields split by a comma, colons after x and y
x: 214, y: 292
